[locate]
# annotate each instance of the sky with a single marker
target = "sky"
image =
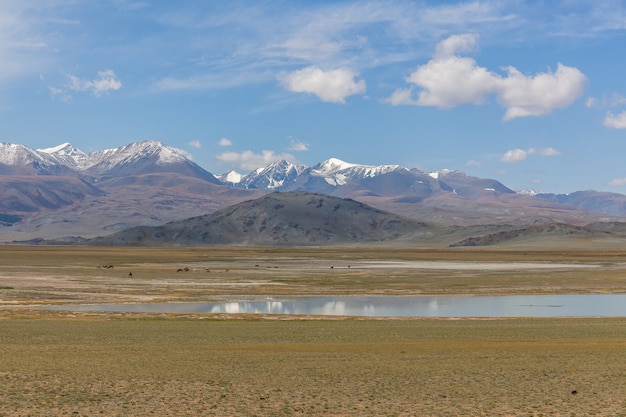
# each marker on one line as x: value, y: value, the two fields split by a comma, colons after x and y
x: 531, y: 93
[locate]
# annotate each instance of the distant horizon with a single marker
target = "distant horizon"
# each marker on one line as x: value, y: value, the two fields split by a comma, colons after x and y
x: 527, y: 92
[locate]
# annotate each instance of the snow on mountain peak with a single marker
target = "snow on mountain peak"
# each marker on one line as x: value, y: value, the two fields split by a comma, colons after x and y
x: 165, y: 154
x: 156, y: 151
x: 331, y: 166
x: 273, y: 176
x: 232, y: 177
x: 337, y: 172
x: 12, y: 154
x: 528, y: 192
x: 67, y: 155
x: 443, y: 172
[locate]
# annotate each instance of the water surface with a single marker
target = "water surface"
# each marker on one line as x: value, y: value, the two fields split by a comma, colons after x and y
x: 583, y: 305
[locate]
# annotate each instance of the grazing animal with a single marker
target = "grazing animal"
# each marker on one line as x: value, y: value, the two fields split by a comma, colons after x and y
x: 130, y: 275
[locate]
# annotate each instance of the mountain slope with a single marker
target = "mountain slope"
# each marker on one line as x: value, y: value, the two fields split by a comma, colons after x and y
x: 292, y: 218
x: 601, y: 202
x: 140, y: 158
x: 30, y: 194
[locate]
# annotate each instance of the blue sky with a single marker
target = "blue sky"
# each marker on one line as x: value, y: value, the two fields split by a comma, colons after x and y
x: 531, y: 93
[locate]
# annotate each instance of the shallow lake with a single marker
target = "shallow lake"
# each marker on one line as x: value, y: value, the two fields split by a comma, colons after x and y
x: 580, y: 305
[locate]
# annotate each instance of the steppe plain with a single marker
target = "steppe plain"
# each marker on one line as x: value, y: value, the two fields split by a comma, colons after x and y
x: 59, y: 363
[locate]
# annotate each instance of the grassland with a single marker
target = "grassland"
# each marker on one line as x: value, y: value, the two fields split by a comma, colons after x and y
x: 55, y: 363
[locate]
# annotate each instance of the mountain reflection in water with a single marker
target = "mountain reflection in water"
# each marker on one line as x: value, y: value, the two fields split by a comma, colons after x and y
x: 579, y: 305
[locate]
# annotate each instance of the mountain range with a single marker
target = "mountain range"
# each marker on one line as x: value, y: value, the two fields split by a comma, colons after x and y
x: 61, y: 192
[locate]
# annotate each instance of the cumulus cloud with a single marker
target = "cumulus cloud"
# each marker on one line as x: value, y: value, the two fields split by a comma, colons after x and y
x: 298, y: 146
x: 618, y: 182
x: 519, y: 155
x: 106, y: 81
x: 514, y: 155
x: 537, y: 95
x: 449, y: 80
x: 195, y: 144
x: 225, y: 142
x: 616, y: 121
x: 249, y: 160
x: 329, y: 85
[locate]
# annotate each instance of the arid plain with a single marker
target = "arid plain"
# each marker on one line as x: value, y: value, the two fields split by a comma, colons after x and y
x: 195, y: 364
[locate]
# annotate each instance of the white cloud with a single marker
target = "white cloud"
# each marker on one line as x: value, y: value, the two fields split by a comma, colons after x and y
x: 618, y: 182
x: 225, y: 142
x: 514, y: 155
x: 195, y: 144
x: 519, y: 155
x: 298, y: 146
x: 449, y: 80
x: 331, y: 86
x: 456, y: 44
x: 473, y: 163
x: 537, y: 95
x: 106, y: 81
x: 545, y: 152
x: 616, y: 121
x: 249, y: 160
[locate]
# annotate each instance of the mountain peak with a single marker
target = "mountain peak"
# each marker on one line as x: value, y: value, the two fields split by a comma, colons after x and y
x: 163, y: 153
x: 331, y: 166
x: 274, y: 176
x: 19, y: 155
x: 232, y: 177
x: 67, y: 155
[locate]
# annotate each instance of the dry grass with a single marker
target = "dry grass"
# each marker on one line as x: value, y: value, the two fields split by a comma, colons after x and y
x: 192, y: 367
x: 70, y: 275
x: 121, y: 364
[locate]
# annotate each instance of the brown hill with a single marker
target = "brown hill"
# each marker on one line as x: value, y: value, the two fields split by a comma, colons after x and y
x: 292, y: 218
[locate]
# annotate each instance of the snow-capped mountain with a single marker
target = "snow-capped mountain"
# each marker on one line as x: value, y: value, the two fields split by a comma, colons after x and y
x: 275, y: 176
x: 337, y: 172
x: 230, y: 177
x: 22, y: 160
x: 284, y: 175
x: 341, y: 178
x: 133, y: 159
x: 140, y: 158
x: 67, y: 155
x: 149, y: 183
x: 12, y: 154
